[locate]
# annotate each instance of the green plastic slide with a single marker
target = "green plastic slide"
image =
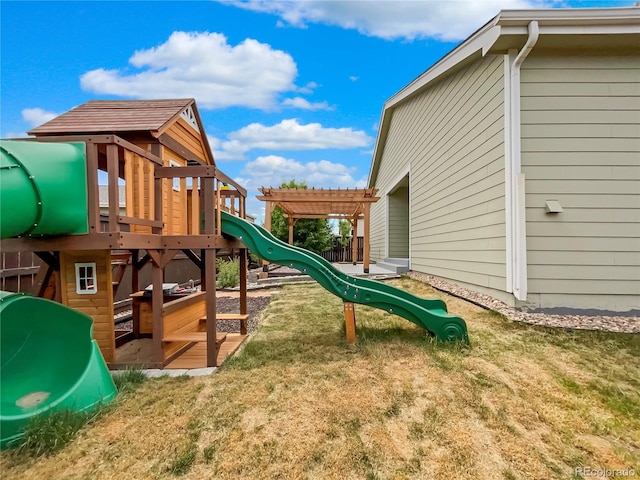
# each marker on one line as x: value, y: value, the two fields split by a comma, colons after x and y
x: 48, y: 361
x: 43, y: 189
x: 430, y: 314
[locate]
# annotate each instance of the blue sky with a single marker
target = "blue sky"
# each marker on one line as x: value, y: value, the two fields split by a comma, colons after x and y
x: 290, y: 89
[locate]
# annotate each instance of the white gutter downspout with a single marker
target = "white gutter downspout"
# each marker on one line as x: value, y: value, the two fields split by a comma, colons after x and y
x: 514, y: 178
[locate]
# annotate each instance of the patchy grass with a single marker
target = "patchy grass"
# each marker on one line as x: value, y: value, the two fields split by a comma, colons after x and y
x: 47, y: 434
x: 299, y: 402
x: 127, y: 381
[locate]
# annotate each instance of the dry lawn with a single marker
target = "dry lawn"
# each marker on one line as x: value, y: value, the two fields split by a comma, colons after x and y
x: 299, y: 402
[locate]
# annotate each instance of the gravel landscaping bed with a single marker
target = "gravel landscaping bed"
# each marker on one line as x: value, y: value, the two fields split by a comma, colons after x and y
x: 621, y: 324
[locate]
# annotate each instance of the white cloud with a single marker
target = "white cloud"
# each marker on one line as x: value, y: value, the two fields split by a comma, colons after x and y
x: 34, y: 117
x: 308, y: 88
x: 204, y: 66
x: 354, y: 78
x: 287, y: 135
x: 406, y: 19
x: 304, y: 104
x: 291, y: 135
x: 37, y: 116
x: 272, y: 170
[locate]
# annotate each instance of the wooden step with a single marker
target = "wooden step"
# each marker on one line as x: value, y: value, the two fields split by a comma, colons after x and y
x: 228, y: 316
x: 192, y: 337
x: 243, y: 317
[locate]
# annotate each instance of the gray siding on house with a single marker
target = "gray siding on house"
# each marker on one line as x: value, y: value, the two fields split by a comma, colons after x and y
x: 581, y: 146
x: 398, y: 215
x: 377, y: 230
x: 452, y: 138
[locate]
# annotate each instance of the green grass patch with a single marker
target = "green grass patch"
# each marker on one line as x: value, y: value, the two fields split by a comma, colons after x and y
x: 184, y: 460
x: 129, y: 380
x: 619, y: 402
x: 48, y: 433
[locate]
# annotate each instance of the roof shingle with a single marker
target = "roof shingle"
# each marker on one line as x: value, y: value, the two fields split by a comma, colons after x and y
x: 111, y: 116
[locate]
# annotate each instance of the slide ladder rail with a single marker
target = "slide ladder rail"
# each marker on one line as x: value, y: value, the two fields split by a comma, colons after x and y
x: 442, y: 325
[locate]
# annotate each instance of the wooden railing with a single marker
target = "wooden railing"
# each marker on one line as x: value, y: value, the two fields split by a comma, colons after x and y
x: 150, y: 201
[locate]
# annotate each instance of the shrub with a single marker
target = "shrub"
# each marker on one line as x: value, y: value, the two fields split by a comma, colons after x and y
x: 254, y: 259
x: 228, y: 273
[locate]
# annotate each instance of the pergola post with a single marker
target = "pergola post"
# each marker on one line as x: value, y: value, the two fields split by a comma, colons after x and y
x: 354, y: 240
x: 291, y: 224
x: 267, y: 225
x: 367, y: 221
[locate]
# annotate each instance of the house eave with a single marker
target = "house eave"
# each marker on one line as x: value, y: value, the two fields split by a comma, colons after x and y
x: 505, y: 31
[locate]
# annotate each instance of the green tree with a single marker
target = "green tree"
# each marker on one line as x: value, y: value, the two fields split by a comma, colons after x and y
x: 344, y: 227
x: 311, y: 234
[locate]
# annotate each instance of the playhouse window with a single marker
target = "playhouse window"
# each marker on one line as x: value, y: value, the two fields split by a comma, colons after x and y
x: 86, y: 278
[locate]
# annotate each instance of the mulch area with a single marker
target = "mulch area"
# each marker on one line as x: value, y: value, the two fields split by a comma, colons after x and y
x: 255, y: 305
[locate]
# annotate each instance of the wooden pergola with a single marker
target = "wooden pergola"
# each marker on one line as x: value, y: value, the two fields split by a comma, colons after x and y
x: 341, y: 204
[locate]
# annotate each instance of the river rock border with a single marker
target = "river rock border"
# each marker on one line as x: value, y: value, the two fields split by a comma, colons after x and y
x: 582, y: 322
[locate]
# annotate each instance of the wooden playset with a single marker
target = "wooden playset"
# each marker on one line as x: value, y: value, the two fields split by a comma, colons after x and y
x: 174, y: 194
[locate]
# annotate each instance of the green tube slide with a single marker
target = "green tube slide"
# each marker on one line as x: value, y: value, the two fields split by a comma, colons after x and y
x: 48, y: 361
x: 43, y: 189
x: 430, y: 314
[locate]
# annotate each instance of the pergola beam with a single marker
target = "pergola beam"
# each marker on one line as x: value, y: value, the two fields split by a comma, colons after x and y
x: 310, y: 203
x: 330, y: 216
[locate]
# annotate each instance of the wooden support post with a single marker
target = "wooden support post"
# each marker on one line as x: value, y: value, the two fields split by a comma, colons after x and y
x: 367, y: 231
x: 57, y: 297
x: 219, y: 208
x: 112, y: 182
x: 93, y: 200
x: 350, y: 321
x: 354, y: 240
x: 267, y: 225
x: 210, y: 299
x: 160, y: 260
x: 156, y: 149
x: 210, y: 217
x: 291, y: 224
x: 157, y: 300
x: 194, y: 203
x: 42, y: 290
x: 203, y: 270
x: 135, y: 271
x: 52, y: 259
x: 135, y: 285
x: 243, y: 288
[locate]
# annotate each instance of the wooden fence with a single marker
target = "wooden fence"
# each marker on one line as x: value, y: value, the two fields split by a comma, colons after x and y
x: 344, y: 254
x: 18, y: 271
